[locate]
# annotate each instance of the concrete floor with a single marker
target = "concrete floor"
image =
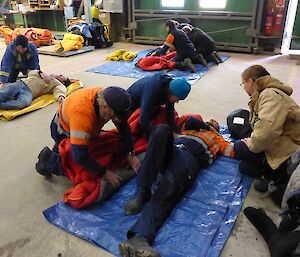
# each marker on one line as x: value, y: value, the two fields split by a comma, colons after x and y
x: 25, y: 194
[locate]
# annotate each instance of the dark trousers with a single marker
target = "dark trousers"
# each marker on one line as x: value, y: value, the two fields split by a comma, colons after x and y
x: 256, y: 165
x: 196, y: 59
x: 179, y: 169
x: 252, y: 164
x: 281, y: 243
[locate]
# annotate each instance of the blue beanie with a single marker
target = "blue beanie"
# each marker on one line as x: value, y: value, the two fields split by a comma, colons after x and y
x: 180, y: 88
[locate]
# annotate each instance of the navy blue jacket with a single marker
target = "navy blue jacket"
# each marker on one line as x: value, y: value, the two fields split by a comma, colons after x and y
x: 182, y: 43
x: 11, y: 59
x: 149, y: 93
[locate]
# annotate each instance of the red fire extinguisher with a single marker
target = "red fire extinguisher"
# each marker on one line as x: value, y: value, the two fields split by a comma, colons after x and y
x: 277, y: 27
x: 268, y: 27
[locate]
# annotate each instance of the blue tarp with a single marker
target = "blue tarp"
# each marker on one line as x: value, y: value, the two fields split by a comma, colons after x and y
x: 198, y: 226
x: 128, y: 69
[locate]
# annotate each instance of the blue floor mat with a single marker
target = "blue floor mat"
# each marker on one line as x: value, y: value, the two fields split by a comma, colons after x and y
x: 198, y: 226
x: 128, y: 69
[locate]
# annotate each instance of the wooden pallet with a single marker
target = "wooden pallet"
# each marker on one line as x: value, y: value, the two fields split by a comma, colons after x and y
x: 49, y: 50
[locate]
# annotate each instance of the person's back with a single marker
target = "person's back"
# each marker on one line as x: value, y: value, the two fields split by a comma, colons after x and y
x: 203, y: 43
x: 154, y: 87
x: 182, y: 43
x: 78, y: 114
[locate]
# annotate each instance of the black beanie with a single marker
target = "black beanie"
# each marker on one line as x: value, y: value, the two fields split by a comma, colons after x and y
x: 22, y: 41
x: 171, y: 24
x: 119, y: 100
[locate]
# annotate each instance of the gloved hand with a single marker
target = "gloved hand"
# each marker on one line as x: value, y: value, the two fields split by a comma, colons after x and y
x: 292, y: 219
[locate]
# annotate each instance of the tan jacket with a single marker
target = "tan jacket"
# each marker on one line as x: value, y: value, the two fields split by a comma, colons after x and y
x: 39, y: 87
x: 275, y: 120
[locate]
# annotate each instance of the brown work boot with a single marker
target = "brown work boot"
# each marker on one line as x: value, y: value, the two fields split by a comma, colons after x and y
x: 137, y: 247
x: 202, y: 60
x: 188, y: 64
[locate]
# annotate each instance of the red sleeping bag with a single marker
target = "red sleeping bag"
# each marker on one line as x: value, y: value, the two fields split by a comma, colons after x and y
x: 106, y: 149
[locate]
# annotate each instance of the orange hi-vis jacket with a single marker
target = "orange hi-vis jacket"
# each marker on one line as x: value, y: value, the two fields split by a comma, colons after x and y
x: 212, y: 142
x: 77, y: 116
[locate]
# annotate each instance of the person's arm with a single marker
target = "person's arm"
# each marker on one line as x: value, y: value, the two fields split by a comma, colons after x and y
x: 81, y: 156
x: 272, y: 114
x: 59, y: 91
x: 33, y: 62
x: 170, y: 115
x: 195, y: 124
x: 6, y: 65
x: 125, y: 136
x: 146, y: 111
x: 168, y: 43
x: 226, y: 148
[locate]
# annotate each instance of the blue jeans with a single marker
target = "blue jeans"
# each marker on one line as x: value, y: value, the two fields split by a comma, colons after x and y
x: 15, y: 96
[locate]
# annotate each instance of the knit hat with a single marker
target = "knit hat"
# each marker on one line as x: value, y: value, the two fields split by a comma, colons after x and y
x: 171, y: 24
x: 119, y: 101
x: 180, y: 88
x: 21, y: 41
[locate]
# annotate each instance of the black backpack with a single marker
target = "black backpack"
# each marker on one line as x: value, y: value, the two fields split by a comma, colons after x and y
x: 99, y: 31
x: 238, y: 124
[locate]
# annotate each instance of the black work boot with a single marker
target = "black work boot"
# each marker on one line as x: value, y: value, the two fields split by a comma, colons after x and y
x: 137, y: 201
x: 41, y: 166
x: 217, y: 55
x: 137, y: 247
x: 188, y: 64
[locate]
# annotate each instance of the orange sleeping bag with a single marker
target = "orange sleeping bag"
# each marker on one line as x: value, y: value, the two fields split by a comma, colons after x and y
x: 40, y: 37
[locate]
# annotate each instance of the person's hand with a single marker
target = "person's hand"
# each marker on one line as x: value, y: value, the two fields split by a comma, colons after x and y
x: 134, y: 162
x: 61, y: 99
x: 47, y: 78
x: 112, y: 178
x: 246, y: 141
x: 154, y: 54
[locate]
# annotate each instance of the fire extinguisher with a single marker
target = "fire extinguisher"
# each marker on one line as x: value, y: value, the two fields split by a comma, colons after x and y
x: 278, y: 17
x: 268, y: 27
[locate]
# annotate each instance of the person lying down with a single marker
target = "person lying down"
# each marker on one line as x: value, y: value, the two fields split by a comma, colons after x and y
x: 20, y: 94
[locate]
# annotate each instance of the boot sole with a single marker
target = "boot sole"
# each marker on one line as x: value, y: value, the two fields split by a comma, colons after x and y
x: 128, y: 250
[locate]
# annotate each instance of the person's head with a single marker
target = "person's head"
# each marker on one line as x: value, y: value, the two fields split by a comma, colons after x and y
x: 178, y: 90
x: 64, y: 80
x: 249, y: 77
x: 213, y: 123
x: 116, y: 105
x: 185, y: 27
x: 22, y: 44
x: 171, y: 24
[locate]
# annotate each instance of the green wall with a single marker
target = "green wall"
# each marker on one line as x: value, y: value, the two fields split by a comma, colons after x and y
x: 232, y: 5
x: 236, y: 36
x: 295, y: 44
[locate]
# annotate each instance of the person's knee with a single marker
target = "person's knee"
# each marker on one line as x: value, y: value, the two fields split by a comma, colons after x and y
x: 239, y: 149
x: 161, y: 131
x: 23, y: 103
